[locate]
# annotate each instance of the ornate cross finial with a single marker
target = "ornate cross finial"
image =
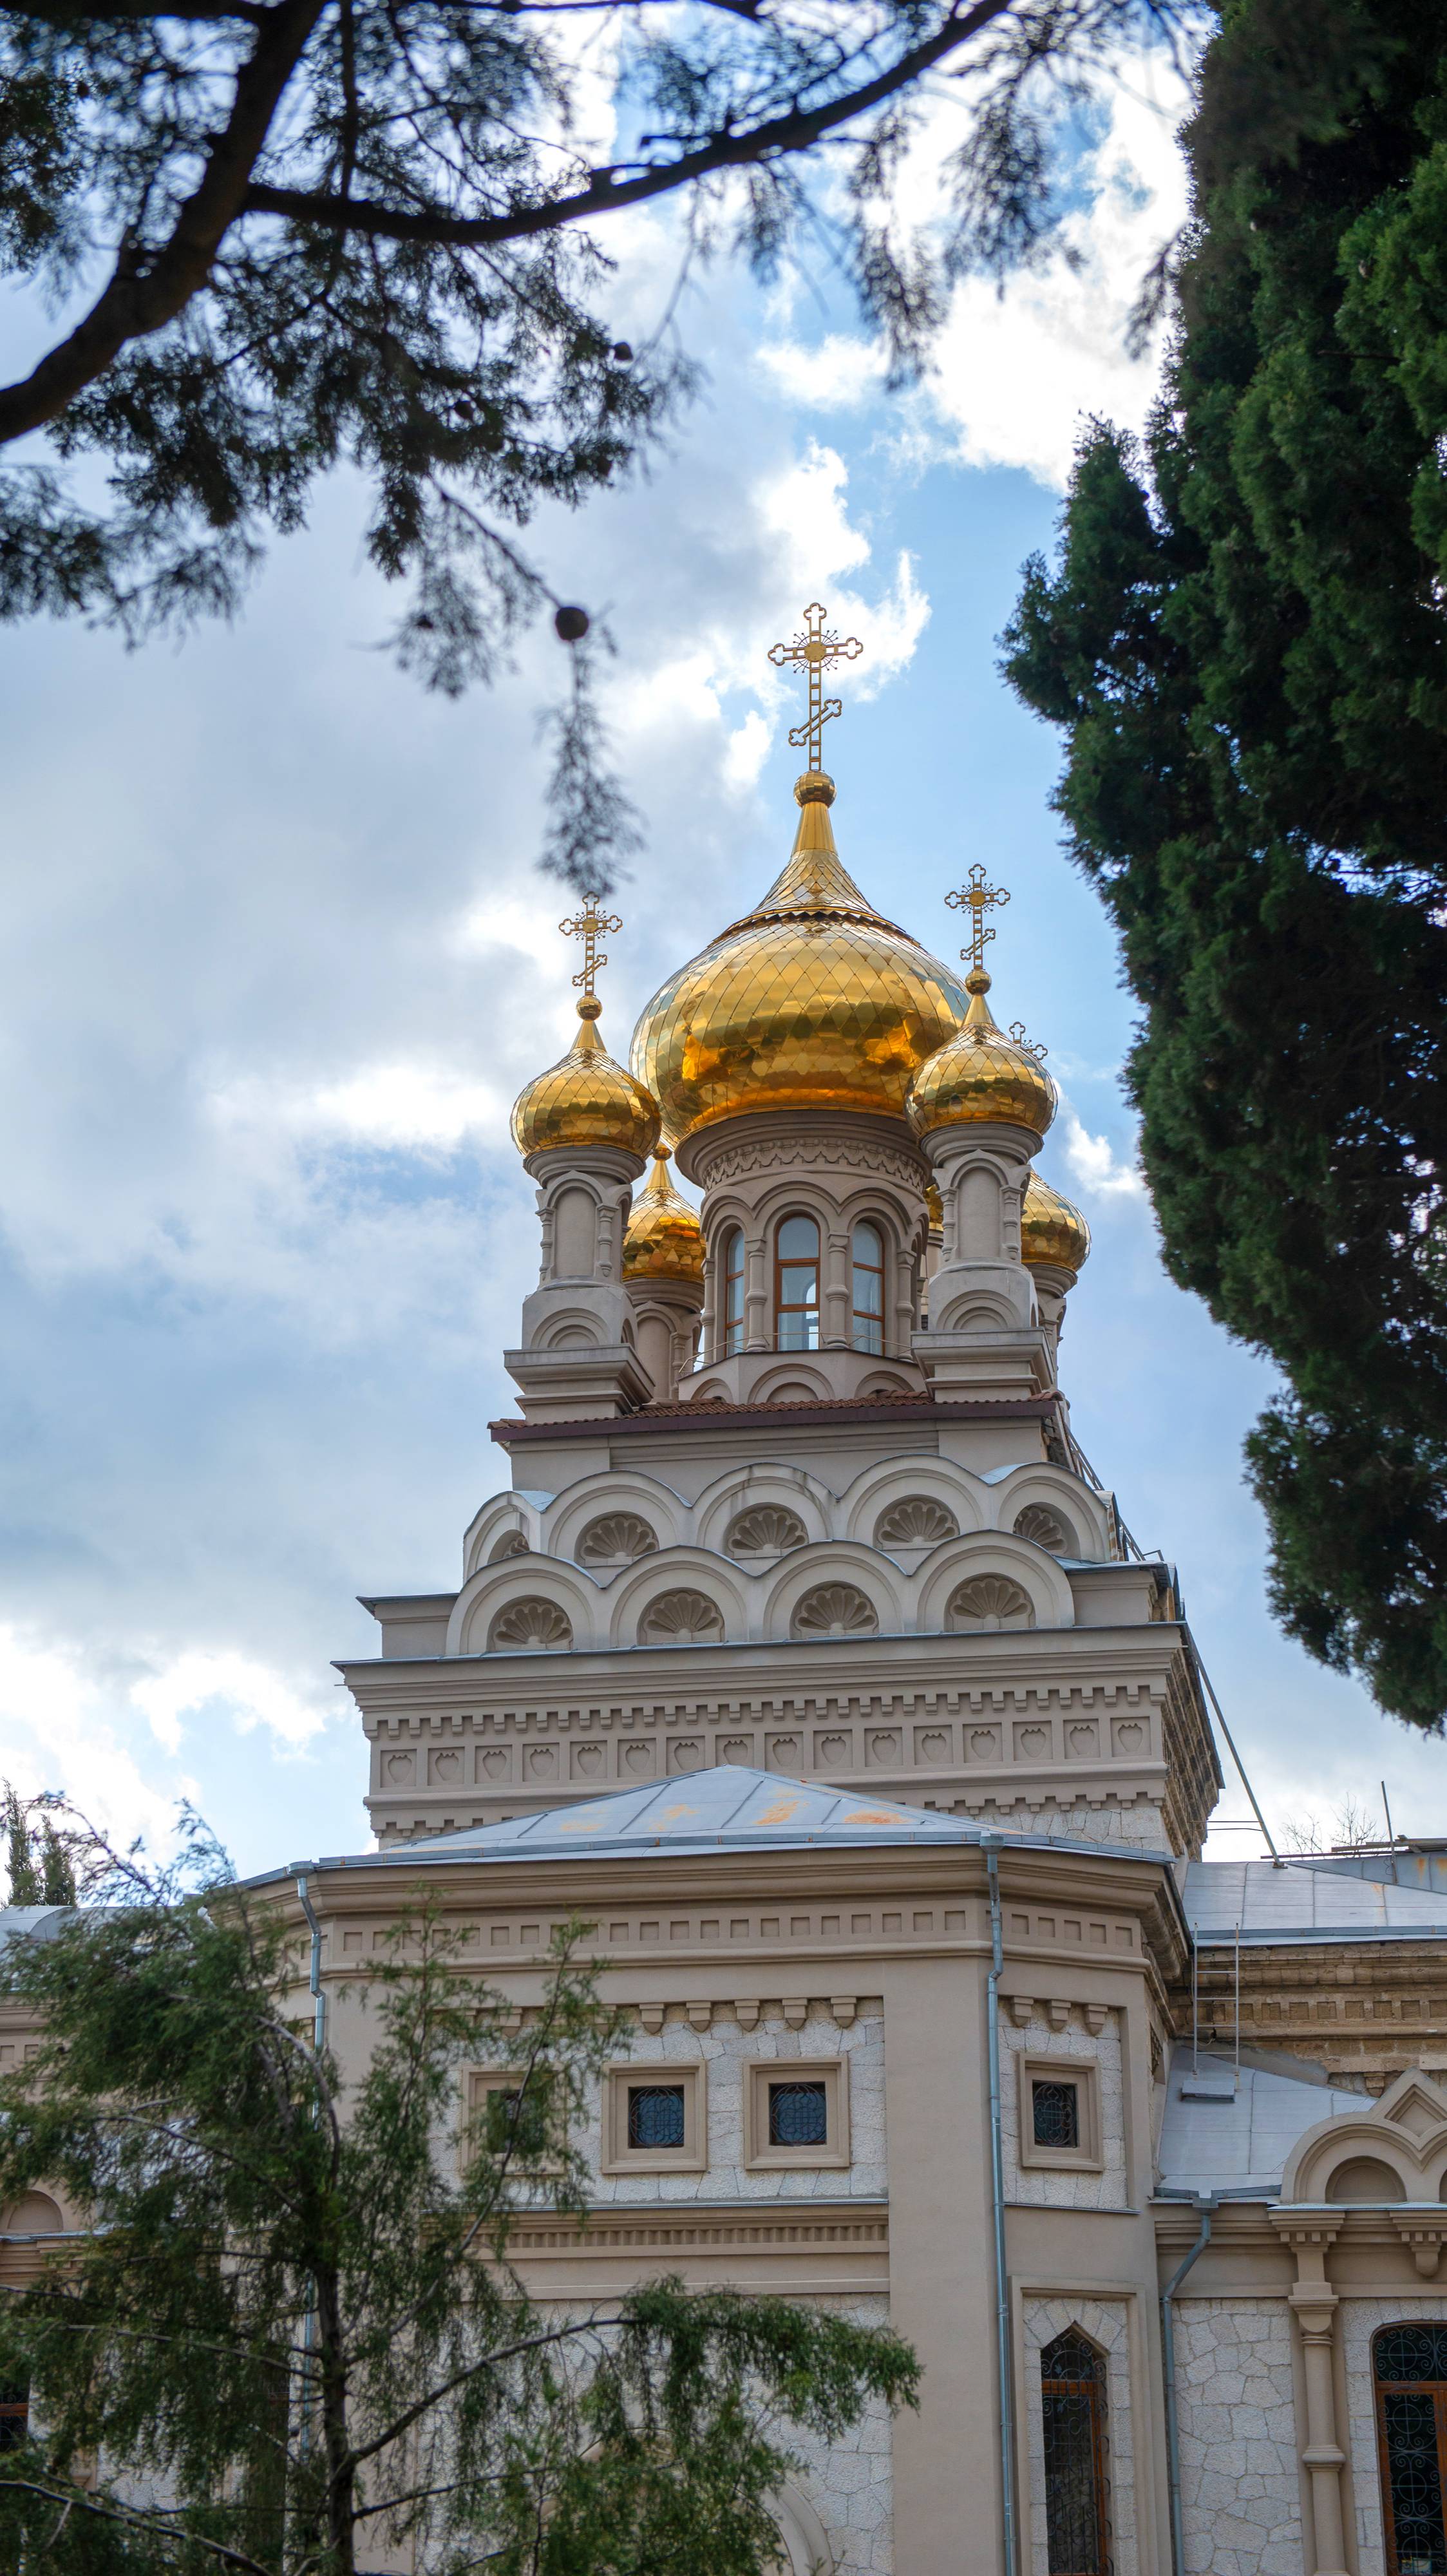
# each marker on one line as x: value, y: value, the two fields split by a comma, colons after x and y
x: 590, y: 925
x: 817, y: 651
x: 977, y: 898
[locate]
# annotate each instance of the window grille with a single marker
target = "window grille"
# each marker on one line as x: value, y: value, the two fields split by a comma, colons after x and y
x: 655, y: 2115
x: 1410, y: 2366
x: 733, y: 1293
x: 14, y: 2414
x: 1072, y: 2405
x: 796, y: 1285
x: 867, y: 1252
x: 798, y: 2115
x: 1057, y: 2113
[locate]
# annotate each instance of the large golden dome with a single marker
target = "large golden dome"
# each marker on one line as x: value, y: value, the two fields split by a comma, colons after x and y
x: 981, y: 1075
x: 586, y: 1099
x: 1051, y: 1228
x: 664, y: 1238
x: 812, y: 1001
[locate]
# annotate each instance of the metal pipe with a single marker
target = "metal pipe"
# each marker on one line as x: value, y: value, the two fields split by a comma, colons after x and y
x: 1209, y: 1688
x: 997, y: 2193
x: 1205, y: 2203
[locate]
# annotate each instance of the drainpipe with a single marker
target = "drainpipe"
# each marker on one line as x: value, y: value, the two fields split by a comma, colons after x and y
x: 991, y: 1848
x: 1205, y: 2203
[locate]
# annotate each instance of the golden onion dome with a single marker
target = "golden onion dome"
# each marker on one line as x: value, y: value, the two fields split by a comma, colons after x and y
x: 981, y: 1075
x: 1051, y: 1229
x: 664, y: 1238
x: 586, y: 1099
x: 812, y: 1001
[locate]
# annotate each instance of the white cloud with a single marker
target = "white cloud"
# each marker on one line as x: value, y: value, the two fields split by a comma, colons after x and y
x: 1095, y: 1165
x: 59, y: 1730
x: 251, y: 1694
x: 394, y: 1106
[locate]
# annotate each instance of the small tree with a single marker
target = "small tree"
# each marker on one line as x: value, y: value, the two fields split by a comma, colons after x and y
x: 295, y: 2337
x: 25, y: 1877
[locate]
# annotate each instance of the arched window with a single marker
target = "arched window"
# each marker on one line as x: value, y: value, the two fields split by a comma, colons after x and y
x: 796, y: 1285
x: 1072, y: 2407
x: 868, y: 1260
x: 1410, y: 2368
x: 733, y: 1291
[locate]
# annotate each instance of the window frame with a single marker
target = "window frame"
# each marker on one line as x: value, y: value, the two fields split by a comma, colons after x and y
x: 1097, y: 2399
x: 1036, y: 2067
x: 1435, y: 2391
x: 731, y: 1325
x: 759, y: 2074
x: 618, y: 2157
x: 483, y: 2081
x: 858, y: 1315
x: 783, y: 1262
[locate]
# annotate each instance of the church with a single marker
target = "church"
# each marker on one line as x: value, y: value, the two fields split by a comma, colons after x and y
x: 803, y: 1652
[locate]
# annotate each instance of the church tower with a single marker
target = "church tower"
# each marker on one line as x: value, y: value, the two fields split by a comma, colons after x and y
x: 793, y: 1479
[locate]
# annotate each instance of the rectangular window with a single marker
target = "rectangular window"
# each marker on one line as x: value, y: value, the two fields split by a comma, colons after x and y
x: 654, y: 2119
x: 1060, y: 2115
x: 798, y: 2115
x: 14, y: 2414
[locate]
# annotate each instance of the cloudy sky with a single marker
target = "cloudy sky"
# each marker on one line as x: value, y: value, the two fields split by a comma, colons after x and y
x: 274, y: 959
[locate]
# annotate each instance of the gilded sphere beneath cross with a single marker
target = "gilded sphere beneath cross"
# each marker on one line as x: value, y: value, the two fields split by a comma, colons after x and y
x: 1052, y: 1230
x: 585, y: 1099
x: 981, y: 1077
x: 664, y: 1238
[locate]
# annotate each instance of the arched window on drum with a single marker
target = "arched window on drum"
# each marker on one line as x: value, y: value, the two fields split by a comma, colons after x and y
x: 732, y: 1274
x: 796, y: 1285
x: 1072, y: 2406
x: 1409, y: 2366
x: 867, y: 1260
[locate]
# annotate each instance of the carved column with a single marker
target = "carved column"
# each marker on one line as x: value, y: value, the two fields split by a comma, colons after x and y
x: 757, y: 1336
x: 835, y: 1283
x: 1315, y: 2304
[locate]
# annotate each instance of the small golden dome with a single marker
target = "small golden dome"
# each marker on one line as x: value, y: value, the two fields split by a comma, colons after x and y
x: 587, y: 1099
x: 664, y: 1238
x: 812, y: 1001
x: 934, y: 1208
x: 981, y: 1074
x: 1051, y: 1229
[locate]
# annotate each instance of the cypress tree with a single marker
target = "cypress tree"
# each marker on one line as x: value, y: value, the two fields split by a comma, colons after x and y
x: 1243, y: 641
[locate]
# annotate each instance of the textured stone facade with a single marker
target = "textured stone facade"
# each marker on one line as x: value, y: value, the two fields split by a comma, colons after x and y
x: 1046, y: 2038
x: 849, y: 2483
x: 1240, y: 2483
x: 726, y: 2050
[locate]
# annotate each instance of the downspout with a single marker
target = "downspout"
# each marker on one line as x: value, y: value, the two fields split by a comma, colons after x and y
x: 991, y: 1850
x: 1205, y: 2203
x: 319, y: 2032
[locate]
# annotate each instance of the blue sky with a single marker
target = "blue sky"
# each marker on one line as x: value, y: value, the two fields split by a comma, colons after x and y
x: 274, y: 959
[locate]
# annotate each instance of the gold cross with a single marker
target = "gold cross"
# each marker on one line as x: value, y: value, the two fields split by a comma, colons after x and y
x: 817, y: 651
x: 590, y: 925
x: 977, y: 898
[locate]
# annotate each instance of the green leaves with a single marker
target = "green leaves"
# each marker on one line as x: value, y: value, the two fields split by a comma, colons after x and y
x: 293, y: 2340
x: 1243, y: 641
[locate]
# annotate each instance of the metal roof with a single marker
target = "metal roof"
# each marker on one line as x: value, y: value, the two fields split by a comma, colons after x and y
x: 1240, y: 2140
x: 731, y: 1808
x: 1299, y: 1903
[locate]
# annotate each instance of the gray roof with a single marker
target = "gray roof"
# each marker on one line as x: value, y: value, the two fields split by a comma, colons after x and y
x: 731, y: 1808
x: 1299, y: 1903
x: 32, y: 1922
x: 1240, y: 2140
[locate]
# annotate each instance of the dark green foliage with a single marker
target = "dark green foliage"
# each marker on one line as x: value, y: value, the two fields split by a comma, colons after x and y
x: 306, y: 233
x: 1244, y: 640
x: 295, y: 2326
x: 25, y: 1877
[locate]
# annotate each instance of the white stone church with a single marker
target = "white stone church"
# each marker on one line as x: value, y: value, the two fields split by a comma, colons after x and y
x: 807, y: 1655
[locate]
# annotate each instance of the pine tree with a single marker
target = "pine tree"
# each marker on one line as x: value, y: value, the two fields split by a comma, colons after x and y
x: 57, y: 1865
x: 1243, y: 642
x: 295, y: 2342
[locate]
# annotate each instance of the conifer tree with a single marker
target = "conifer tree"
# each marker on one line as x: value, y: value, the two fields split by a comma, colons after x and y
x: 25, y: 1877
x: 1243, y: 642
x: 295, y: 2342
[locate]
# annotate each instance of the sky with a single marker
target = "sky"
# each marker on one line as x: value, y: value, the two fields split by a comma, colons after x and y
x: 275, y: 958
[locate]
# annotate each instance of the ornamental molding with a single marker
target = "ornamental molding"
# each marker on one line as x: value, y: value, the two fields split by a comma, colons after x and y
x: 748, y: 1158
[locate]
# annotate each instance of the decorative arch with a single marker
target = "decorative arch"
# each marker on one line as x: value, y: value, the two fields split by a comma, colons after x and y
x: 805, y: 2542
x: 1037, y: 1485
x: 1405, y: 2133
x: 671, y: 1571
x: 613, y: 1491
x: 992, y: 1554
x: 792, y: 1382
x: 836, y: 1561
x: 518, y: 1578
x: 772, y: 1483
x: 501, y: 1516
x: 895, y: 1480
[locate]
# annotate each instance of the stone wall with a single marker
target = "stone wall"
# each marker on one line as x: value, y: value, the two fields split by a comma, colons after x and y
x: 1240, y: 2482
x: 726, y: 2049
x: 1106, y: 2322
x: 849, y: 2482
x: 1074, y: 2045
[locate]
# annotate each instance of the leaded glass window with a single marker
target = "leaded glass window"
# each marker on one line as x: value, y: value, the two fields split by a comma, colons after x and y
x: 798, y: 2115
x: 1072, y: 2406
x: 1057, y: 2113
x: 1410, y: 2364
x: 655, y: 2115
